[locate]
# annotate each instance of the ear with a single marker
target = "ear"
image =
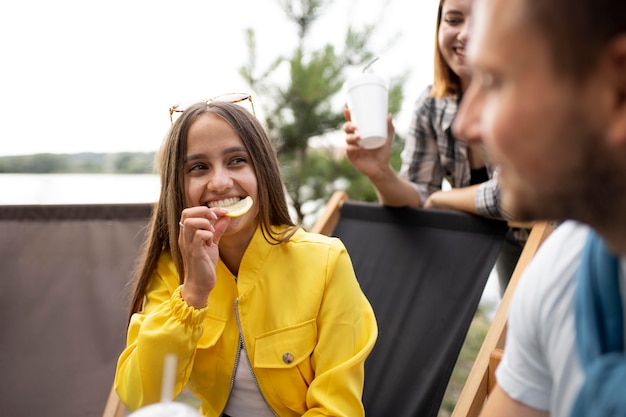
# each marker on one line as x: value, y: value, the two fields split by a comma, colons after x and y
x: 616, y: 54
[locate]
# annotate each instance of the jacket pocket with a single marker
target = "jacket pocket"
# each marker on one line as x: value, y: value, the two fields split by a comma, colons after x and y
x: 286, y: 347
x: 283, y: 357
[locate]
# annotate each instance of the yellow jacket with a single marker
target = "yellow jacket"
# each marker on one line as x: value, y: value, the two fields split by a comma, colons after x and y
x: 306, y: 325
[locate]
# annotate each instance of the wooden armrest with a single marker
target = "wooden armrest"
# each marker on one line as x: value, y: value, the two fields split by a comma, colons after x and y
x: 330, y: 217
x: 521, y: 225
x: 494, y: 361
x: 114, y: 406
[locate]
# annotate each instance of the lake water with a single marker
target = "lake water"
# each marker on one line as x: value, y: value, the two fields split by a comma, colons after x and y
x: 78, y: 188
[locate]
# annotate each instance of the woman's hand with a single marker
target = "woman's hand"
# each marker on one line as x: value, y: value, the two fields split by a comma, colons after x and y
x: 370, y: 162
x: 460, y: 199
x: 198, y: 239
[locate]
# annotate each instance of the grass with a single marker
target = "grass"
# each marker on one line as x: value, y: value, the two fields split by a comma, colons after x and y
x: 475, y: 336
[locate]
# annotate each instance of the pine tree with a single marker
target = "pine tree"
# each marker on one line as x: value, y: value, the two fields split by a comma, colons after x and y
x: 302, y: 107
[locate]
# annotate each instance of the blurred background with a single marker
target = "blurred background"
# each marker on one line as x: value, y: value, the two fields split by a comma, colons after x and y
x: 86, y: 87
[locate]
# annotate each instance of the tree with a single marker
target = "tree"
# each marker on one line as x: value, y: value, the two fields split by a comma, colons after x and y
x: 42, y: 163
x: 302, y: 108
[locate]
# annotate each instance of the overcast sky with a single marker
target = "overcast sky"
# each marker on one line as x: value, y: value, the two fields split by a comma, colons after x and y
x: 99, y: 76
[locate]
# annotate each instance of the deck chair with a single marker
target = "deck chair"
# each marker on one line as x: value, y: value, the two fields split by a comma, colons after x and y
x: 481, y: 378
x: 64, y: 302
x: 424, y: 272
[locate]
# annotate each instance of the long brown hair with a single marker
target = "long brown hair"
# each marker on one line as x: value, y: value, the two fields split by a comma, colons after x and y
x: 445, y: 82
x: 163, y: 229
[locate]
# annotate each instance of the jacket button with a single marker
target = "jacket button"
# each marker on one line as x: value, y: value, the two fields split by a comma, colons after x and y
x: 287, y: 357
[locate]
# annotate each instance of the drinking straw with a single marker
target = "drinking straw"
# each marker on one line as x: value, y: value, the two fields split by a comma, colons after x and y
x: 169, y: 376
x: 370, y: 64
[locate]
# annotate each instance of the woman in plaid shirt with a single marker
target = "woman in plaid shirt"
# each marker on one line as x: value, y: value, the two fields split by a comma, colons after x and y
x: 432, y: 153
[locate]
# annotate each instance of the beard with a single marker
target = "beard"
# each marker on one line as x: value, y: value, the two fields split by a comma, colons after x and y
x: 581, y: 182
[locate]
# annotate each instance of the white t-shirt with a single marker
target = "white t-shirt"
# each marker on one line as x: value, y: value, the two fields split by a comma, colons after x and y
x: 245, y: 398
x: 540, y: 366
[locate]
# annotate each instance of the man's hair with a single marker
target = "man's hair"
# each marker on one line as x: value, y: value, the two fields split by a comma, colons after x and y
x: 577, y: 30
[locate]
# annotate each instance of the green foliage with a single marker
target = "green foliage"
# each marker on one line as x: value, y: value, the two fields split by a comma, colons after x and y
x: 304, y: 107
x: 133, y: 163
x: 38, y: 164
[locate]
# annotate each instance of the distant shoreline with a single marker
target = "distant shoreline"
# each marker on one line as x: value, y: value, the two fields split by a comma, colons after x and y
x: 79, y: 163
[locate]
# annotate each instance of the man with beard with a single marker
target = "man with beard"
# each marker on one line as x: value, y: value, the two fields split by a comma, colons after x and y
x: 548, y: 99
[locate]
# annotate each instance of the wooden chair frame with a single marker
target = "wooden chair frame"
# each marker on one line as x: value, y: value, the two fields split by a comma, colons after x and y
x: 114, y: 406
x: 481, y: 378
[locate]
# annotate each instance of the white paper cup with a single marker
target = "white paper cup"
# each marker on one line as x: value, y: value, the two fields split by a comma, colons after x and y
x: 368, y: 101
x: 168, y: 409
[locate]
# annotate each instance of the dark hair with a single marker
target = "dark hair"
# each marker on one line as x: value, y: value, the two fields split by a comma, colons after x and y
x: 446, y: 82
x: 577, y: 30
x: 164, y: 228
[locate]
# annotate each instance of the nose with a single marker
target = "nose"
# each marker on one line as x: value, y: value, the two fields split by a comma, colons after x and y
x: 220, y: 180
x: 464, y: 34
x: 467, y: 123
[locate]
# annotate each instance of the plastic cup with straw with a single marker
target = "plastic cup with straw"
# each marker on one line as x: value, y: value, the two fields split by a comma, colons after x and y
x: 167, y: 407
x: 368, y: 101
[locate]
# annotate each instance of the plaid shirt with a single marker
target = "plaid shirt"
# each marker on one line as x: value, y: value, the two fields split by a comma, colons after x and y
x: 432, y: 153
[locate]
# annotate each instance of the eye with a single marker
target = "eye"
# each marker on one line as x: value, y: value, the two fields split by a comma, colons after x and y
x: 453, y: 21
x: 238, y: 160
x: 196, y: 167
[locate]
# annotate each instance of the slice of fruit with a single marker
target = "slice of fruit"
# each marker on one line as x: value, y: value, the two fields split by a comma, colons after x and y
x: 240, y: 208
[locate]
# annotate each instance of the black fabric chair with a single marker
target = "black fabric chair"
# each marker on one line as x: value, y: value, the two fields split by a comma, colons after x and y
x: 424, y: 272
x: 64, y: 299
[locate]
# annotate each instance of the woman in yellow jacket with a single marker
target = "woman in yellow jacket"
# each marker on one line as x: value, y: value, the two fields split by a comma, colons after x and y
x: 265, y: 319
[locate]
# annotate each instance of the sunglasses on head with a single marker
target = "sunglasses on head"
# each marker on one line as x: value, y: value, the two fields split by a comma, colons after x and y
x: 228, y: 98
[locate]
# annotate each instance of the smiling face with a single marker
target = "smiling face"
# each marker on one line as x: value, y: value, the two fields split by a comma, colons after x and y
x: 453, y: 35
x: 218, y: 170
x: 542, y: 128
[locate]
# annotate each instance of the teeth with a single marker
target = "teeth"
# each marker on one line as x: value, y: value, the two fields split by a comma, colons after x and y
x: 224, y: 203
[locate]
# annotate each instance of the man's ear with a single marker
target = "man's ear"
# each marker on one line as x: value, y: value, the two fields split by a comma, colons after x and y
x: 616, y: 52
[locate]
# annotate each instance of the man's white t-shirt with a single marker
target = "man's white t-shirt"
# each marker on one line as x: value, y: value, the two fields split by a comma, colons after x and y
x: 540, y: 366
